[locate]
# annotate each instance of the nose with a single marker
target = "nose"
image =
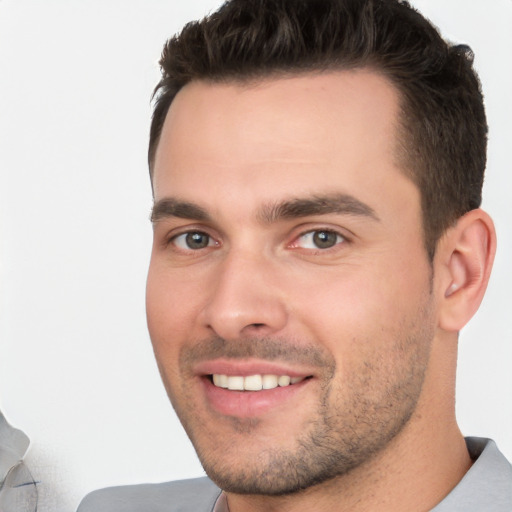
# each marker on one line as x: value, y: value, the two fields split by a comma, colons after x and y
x: 245, y: 299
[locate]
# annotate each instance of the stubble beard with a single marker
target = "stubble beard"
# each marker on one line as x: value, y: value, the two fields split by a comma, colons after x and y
x: 350, y: 427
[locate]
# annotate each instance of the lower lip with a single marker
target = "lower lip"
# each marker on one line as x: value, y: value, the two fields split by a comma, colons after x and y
x: 250, y: 404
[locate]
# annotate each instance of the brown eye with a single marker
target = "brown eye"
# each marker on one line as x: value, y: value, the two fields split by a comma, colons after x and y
x: 197, y: 240
x: 325, y: 239
x: 319, y: 239
x: 193, y: 240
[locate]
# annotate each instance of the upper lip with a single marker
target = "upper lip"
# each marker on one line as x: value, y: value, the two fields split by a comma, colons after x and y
x: 247, y: 367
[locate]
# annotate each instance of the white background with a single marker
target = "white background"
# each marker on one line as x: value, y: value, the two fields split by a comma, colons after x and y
x: 76, y: 367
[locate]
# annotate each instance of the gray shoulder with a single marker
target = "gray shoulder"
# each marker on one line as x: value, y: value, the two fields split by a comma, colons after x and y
x: 195, y: 495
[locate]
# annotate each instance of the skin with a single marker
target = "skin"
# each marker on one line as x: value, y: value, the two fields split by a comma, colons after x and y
x: 369, y: 320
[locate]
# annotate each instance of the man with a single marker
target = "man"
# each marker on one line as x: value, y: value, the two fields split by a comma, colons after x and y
x: 318, y: 244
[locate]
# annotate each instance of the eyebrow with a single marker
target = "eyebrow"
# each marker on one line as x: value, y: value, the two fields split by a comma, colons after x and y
x: 343, y: 204
x: 170, y: 207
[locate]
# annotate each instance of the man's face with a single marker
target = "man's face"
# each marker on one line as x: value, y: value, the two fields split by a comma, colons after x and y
x: 288, y: 250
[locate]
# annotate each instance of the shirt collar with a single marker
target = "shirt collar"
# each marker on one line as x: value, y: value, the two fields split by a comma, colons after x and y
x: 487, y: 484
x: 221, y: 505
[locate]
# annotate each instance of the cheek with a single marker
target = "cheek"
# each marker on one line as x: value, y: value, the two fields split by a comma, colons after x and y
x: 359, y: 306
x: 171, y: 306
x: 174, y: 289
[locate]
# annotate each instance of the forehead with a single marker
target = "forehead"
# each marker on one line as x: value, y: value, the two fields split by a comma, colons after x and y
x: 292, y: 135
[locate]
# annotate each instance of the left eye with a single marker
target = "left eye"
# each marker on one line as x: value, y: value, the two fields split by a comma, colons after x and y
x: 319, y: 239
x: 194, y: 240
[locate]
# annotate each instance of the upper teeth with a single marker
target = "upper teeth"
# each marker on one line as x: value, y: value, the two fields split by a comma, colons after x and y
x: 253, y: 382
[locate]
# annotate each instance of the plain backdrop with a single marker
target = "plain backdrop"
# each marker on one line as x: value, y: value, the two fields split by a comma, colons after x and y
x: 76, y: 367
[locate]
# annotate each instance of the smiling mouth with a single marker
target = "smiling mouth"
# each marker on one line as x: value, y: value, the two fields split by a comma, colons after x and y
x: 254, y: 382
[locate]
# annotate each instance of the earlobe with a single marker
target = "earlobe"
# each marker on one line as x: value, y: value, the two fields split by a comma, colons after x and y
x: 466, y: 254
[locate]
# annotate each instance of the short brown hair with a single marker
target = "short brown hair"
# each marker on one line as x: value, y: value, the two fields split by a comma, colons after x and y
x: 443, y: 135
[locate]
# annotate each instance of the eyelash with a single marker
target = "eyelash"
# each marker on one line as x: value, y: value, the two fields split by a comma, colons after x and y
x: 174, y: 238
x: 340, y: 239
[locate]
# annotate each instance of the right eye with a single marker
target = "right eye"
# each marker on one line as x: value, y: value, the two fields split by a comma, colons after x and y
x: 193, y: 240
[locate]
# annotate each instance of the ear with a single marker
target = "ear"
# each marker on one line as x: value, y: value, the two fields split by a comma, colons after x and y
x: 463, y: 264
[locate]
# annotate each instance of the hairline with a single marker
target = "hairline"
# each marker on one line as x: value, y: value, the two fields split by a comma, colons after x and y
x: 403, y: 143
x: 253, y: 79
